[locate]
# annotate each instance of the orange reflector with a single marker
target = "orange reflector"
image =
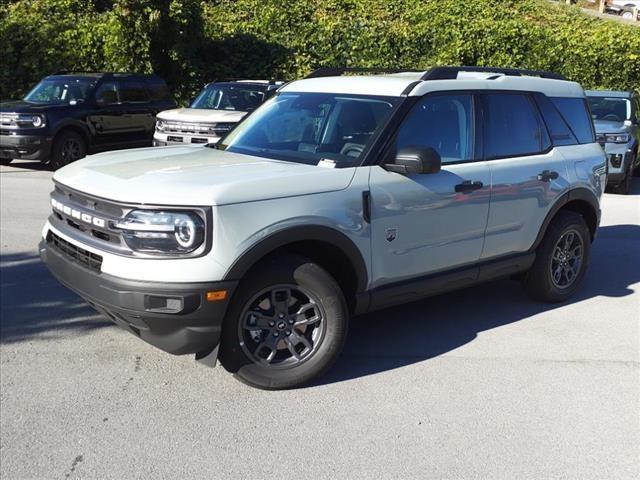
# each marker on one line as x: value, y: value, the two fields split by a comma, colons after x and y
x: 216, y: 295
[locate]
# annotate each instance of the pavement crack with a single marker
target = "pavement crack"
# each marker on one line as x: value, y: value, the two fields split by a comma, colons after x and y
x: 76, y: 462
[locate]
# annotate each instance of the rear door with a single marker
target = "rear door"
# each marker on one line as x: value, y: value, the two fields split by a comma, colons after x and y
x: 425, y: 223
x: 528, y: 175
x: 139, y: 117
x: 107, y: 119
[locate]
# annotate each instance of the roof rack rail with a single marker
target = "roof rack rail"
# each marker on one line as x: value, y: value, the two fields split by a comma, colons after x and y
x: 451, y: 73
x: 338, y: 71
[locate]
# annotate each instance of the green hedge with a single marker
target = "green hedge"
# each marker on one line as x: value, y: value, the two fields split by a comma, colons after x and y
x: 189, y: 42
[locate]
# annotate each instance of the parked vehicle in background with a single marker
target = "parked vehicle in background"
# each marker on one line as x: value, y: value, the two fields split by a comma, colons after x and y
x: 338, y: 196
x: 67, y: 115
x: 624, y: 8
x: 213, y: 113
x: 616, y: 116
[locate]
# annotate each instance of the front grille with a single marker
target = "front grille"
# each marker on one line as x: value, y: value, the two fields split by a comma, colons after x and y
x: 74, y: 252
x: 216, y: 129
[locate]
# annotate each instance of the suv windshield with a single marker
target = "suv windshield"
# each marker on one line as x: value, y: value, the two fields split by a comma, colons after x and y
x: 230, y: 97
x: 610, y: 108
x: 60, y: 90
x: 310, y: 127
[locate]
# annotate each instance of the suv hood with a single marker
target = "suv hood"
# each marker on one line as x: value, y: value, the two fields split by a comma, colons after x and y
x: 196, y: 176
x: 605, y: 126
x: 20, y: 106
x: 201, y: 115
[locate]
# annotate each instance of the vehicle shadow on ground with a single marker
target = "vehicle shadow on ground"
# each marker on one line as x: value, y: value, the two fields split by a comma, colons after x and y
x: 35, y: 306
x: 415, y: 332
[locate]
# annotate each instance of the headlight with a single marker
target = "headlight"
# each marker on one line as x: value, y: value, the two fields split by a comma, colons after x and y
x: 160, y: 125
x: 163, y: 231
x: 617, y: 137
x: 24, y: 120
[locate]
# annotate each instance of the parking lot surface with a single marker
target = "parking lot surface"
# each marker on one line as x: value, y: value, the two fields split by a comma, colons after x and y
x: 480, y: 383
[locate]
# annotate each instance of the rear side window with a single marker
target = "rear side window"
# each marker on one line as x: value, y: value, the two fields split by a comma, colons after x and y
x: 158, y: 90
x: 107, y: 93
x: 561, y: 134
x: 133, y: 91
x: 513, y: 127
x: 576, y: 113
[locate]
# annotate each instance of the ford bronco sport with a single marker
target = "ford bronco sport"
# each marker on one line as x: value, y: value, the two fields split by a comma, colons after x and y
x: 616, y: 117
x: 213, y: 113
x: 69, y: 114
x: 340, y: 195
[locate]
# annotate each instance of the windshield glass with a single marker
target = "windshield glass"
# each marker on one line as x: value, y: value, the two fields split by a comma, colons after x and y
x: 230, y: 97
x: 63, y: 90
x: 610, y: 108
x: 312, y: 127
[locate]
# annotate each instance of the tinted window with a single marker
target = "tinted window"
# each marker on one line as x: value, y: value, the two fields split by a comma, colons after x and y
x: 133, y: 91
x: 560, y: 132
x: 576, y: 113
x: 158, y: 90
x: 107, y: 93
x: 512, y: 127
x: 442, y: 122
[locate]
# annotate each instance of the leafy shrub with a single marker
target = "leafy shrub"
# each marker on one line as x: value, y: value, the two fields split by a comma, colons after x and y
x: 189, y: 42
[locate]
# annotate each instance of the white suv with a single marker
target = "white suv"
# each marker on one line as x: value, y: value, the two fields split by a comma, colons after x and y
x: 213, y: 113
x: 338, y: 196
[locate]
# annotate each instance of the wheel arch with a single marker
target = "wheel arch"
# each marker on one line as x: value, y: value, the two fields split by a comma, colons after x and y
x: 327, y: 247
x: 74, y: 126
x: 581, y: 201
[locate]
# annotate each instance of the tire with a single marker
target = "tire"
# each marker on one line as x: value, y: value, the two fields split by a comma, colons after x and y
x: 68, y: 147
x: 5, y: 161
x: 540, y: 282
x: 248, y: 352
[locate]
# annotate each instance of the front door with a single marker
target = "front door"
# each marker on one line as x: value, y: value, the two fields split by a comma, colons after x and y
x: 425, y: 223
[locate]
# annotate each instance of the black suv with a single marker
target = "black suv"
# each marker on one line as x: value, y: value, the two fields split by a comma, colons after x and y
x: 67, y: 115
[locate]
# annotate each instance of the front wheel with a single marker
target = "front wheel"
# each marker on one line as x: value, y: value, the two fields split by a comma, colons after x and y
x: 561, y: 259
x: 287, y: 324
x: 68, y: 147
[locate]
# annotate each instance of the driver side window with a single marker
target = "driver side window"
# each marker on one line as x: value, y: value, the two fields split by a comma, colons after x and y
x: 442, y: 122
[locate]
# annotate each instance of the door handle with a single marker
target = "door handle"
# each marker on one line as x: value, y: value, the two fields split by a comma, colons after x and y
x: 547, y: 175
x: 468, y: 186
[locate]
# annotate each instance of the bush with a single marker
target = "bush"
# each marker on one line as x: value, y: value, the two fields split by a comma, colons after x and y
x: 189, y: 42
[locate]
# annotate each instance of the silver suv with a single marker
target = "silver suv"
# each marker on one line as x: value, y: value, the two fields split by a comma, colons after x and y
x: 340, y: 195
x: 616, y: 116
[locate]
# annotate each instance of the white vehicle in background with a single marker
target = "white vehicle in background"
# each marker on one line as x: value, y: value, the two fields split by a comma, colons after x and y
x: 624, y: 8
x: 213, y: 113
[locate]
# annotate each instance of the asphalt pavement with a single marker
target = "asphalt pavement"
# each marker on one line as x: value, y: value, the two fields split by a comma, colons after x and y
x: 478, y: 384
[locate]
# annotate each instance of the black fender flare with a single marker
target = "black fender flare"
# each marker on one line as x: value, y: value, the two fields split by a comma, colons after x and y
x: 291, y: 235
x: 583, y: 194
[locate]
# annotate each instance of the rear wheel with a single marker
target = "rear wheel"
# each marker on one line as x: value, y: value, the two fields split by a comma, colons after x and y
x: 561, y: 259
x: 286, y: 325
x: 68, y: 147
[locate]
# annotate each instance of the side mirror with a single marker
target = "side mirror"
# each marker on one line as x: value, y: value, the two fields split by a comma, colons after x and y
x: 415, y: 160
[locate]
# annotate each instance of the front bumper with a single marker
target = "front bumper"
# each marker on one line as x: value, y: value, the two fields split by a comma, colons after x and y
x: 619, y: 158
x: 28, y: 147
x: 180, y: 138
x: 174, y: 317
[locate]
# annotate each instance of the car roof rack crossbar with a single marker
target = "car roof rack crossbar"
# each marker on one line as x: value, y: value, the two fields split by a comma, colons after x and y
x: 451, y: 73
x: 338, y: 71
